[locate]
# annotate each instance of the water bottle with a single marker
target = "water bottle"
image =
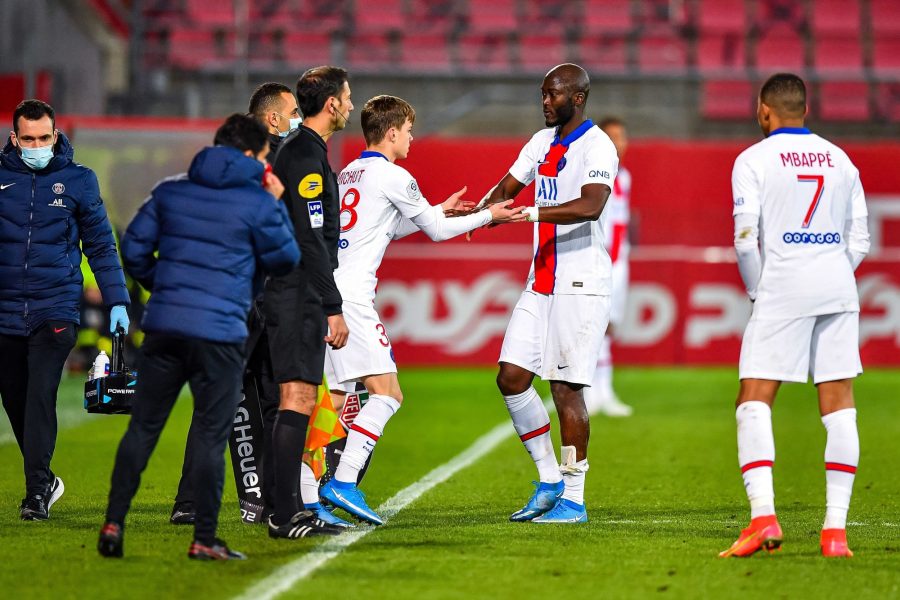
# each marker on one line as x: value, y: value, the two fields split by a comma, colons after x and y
x: 101, y: 365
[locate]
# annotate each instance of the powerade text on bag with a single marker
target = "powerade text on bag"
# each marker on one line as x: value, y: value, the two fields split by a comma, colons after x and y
x: 115, y: 393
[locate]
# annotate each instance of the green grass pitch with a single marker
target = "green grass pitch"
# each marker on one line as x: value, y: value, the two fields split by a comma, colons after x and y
x: 664, y: 496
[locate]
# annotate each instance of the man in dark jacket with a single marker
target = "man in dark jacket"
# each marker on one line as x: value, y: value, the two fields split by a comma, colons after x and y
x: 303, y: 309
x: 48, y: 204
x: 211, y: 228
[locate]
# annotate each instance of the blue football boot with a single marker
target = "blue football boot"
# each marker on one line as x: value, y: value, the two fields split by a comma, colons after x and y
x: 326, y: 515
x: 544, y: 498
x: 565, y: 511
x: 347, y: 496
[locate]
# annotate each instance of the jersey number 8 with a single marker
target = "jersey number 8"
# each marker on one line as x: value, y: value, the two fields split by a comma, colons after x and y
x: 348, y: 207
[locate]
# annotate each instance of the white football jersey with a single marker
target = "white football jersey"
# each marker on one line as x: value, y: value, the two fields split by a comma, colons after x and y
x: 568, y: 259
x: 805, y: 191
x: 375, y: 194
x: 616, y: 216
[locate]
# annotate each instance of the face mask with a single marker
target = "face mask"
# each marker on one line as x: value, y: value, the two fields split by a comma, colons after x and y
x: 37, y: 158
x: 292, y: 125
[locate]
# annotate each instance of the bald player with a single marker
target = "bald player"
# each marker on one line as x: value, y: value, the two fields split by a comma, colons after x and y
x: 557, y: 327
x: 799, y: 209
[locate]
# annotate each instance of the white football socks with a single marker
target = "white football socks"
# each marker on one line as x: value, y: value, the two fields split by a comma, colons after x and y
x: 364, y: 433
x: 756, y: 455
x: 309, y: 487
x: 841, y: 460
x: 532, y: 423
x: 573, y: 474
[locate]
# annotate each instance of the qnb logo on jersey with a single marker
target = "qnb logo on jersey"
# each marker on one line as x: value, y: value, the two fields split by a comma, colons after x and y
x: 811, y: 238
x: 547, y: 189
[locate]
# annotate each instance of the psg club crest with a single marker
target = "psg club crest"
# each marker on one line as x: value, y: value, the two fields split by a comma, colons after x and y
x: 561, y: 164
x: 58, y: 188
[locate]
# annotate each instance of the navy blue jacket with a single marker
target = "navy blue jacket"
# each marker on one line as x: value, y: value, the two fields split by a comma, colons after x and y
x: 213, y: 227
x: 43, y: 216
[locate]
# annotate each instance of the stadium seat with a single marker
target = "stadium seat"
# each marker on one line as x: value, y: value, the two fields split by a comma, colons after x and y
x: 540, y: 53
x: 607, y: 53
x: 844, y: 101
x: 606, y: 16
x: 662, y: 51
x: 728, y: 100
x: 203, y: 12
x: 270, y: 15
x: 838, y: 55
x: 886, y: 56
x: 200, y: 49
x: 372, y: 51
x: 829, y: 17
x: 721, y: 53
x: 887, y: 98
x: 433, y: 16
x: 482, y: 52
x: 322, y: 16
x: 388, y: 16
x: 308, y: 49
x: 885, y: 17
x: 722, y: 16
x: 772, y: 13
x: 496, y: 16
x: 427, y: 52
x: 780, y: 48
x: 547, y: 17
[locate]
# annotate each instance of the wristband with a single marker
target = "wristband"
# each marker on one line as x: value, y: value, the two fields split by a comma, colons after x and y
x: 531, y: 214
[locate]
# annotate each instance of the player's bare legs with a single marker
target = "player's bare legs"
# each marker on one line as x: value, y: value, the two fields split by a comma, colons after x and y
x: 574, y: 423
x: 756, y: 456
x: 841, y: 459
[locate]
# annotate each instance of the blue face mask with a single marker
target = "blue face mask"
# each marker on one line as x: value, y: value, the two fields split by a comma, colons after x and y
x: 292, y: 125
x: 37, y: 158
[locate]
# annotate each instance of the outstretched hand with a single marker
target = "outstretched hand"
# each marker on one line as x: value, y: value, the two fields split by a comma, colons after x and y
x: 501, y: 212
x: 455, y: 206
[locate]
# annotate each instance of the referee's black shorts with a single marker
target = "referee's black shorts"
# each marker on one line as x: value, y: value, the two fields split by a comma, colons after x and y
x: 296, y: 327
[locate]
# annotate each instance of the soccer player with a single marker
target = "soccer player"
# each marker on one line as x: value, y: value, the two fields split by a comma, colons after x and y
x: 557, y: 326
x: 800, y: 232
x: 600, y: 397
x: 379, y: 199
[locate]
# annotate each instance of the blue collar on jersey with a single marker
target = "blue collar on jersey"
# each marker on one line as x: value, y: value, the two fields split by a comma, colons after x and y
x: 579, y: 131
x: 372, y: 154
x: 797, y: 130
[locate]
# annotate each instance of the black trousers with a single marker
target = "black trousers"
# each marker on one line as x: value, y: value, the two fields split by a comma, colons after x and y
x: 213, y: 371
x: 30, y: 369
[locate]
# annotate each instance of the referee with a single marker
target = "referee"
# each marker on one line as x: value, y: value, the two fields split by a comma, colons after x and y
x: 303, y: 309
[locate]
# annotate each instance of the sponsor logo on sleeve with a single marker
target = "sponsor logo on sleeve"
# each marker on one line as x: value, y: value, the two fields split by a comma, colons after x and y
x: 316, y: 214
x: 310, y: 186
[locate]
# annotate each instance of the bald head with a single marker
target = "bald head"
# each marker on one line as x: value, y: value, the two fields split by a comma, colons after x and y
x: 570, y: 76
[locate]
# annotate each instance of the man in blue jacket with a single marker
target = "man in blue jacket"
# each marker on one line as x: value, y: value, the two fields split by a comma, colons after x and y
x: 195, y: 244
x: 48, y: 206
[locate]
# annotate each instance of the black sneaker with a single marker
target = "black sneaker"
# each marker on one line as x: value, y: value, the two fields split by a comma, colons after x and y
x: 303, y: 524
x: 183, y: 514
x: 218, y: 550
x: 34, y: 508
x: 110, y: 542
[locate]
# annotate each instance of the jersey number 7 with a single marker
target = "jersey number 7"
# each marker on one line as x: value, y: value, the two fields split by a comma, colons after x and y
x: 819, y: 180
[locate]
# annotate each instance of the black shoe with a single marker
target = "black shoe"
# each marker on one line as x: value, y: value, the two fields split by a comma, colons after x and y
x: 218, y: 550
x: 34, y: 508
x: 110, y: 542
x: 183, y: 513
x: 303, y: 524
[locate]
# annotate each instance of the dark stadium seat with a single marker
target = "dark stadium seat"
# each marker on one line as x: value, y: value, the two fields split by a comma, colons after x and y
x: 433, y: 16
x: 606, y: 53
x: 322, y: 16
x: 388, y: 16
x: 662, y: 51
x: 773, y: 13
x: 838, y: 55
x: 372, y: 51
x: 539, y: 53
x: 728, y: 100
x: 830, y: 17
x: 887, y: 98
x: 885, y: 16
x: 886, y: 55
x: 606, y: 16
x: 427, y: 52
x: 844, y: 101
x: 721, y: 53
x: 547, y: 17
x: 271, y: 15
x: 722, y: 16
x: 307, y: 49
x: 483, y: 52
x: 780, y: 48
x: 201, y: 48
x: 491, y: 17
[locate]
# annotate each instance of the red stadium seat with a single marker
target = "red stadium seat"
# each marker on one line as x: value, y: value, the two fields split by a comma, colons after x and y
x: 387, y: 16
x: 308, y: 49
x: 270, y: 15
x: 662, y: 51
x: 603, y: 53
x: 721, y: 54
x: 844, y: 101
x: 606, y: 16
x: 480, y: 52
x: 835, y: 17
x: 772, y: 13
x: 886, y: 55
x: 728, y: 100
x: 200, y: 48
x: 540, y: 53
x: 372, y: 51
x: 885, y: 16
x: 322, y: 16
x: 547, y: 17
x: 842, y: 55
x: 425, y: 52
x: 433, y: 16
x: 492, y: 17
x: 780, y: 48
x: 203, y: 12
x: 722, y: 16
x: 888, y: 100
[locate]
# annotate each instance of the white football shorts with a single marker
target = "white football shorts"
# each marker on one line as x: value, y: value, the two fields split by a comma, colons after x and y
x: 557, y: 337
x: 825, y: 347
x: 368, y: 350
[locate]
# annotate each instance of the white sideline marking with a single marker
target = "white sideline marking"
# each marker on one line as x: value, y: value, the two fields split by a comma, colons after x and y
x: 283, y: 578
